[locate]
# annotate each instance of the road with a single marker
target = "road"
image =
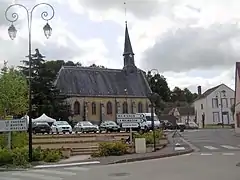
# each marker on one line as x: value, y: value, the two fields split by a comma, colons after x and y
x: 213, y: 140
x: 186, y: 167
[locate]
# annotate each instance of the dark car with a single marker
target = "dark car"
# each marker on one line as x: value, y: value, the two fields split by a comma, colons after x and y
x: 109, y: 126
x: 41, y: 127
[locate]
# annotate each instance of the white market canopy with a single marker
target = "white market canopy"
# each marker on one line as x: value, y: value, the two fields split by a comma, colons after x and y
x: 44, y: 118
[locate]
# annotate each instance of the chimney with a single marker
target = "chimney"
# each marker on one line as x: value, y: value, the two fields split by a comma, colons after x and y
x: 199, y: 89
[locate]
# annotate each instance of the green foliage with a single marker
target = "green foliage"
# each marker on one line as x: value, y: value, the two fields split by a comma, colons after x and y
x: 13, y: 93
x: 46, y: 97
x: 19, y: 156
x: 117, y: 148
x: 19, y: 140
x: 149, y: 136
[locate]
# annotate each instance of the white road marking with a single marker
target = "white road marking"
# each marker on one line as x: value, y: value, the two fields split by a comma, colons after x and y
x: 179, y: 148
x: 205, y: 154
x: 228, y: 154
x: 26, y: 174
x: 229, y: 147
x: 66, y: 165
x: 53, y: 172
x: 211, y: 147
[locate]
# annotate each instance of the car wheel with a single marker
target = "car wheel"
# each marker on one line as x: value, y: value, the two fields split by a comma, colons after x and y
x: 118, y: 130
x: 57, y: 131
x: 70, y: 132
x: 64, y: 132
x: 76, y: 132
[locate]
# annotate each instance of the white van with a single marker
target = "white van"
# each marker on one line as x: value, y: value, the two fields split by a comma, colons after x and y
x: 147, y: 117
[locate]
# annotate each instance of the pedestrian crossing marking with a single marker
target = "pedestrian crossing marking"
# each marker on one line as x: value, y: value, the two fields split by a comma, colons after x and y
x: 53, y: 172
x: 35, y: 176
x: 179, y: 148
x: 205, y: 154
x: 229, y: 147
x: 228, y: 154
x: 211, y: 147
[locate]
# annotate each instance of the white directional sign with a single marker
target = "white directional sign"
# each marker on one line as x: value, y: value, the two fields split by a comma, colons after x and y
x: 130, y: 125
x: 129, y: 116
x: 13, y: 125
x: 129, y: 120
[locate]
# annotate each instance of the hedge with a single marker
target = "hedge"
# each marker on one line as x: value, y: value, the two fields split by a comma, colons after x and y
x: 117, y: 148
x: 149, y: 136
x: 18, y: 155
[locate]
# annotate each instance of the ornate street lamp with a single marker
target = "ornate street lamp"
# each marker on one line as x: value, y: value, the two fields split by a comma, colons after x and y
x: 12, y: 32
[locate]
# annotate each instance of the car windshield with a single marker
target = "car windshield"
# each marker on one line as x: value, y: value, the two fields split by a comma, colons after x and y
x: 62, y: 123
x: 111, y: 123
x: 41, y: 123
x: 86, y: 123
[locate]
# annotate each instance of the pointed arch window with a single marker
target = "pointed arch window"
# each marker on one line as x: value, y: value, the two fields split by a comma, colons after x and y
x: 125, y: 108
x: 140, y: 107
x: 94, y: 108
x: 146, y: 107
x: 109, y: 107
x: 76, y: 108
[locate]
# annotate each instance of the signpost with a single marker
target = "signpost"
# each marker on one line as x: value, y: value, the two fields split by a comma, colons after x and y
x: 9, y: 125
x: 129, y: 121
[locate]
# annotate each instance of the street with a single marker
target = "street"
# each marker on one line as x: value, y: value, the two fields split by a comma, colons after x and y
x: 213, y: 140
x: 185, y: 167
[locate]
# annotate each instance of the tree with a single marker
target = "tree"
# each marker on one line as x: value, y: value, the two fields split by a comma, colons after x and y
x: 46, y: 97
x: 97, y: 66
x: 159, y: 85
x: 13, y: 92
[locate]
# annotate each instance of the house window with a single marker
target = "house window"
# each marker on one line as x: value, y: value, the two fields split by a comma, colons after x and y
x: 140, y: 107
x: 214, y: 102
x: 109, y: 107
x: 125, y: 108
x: 232, y: 101
x: 76, y: 108
x: 201, y: 106
x: 224, y: 102
x: 94, y: 108
x: 216, y: 117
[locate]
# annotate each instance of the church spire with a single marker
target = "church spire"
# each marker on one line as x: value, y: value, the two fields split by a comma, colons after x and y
x: 127, y: 44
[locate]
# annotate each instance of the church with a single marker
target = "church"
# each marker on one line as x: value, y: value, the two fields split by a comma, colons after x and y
x: 99, y: 94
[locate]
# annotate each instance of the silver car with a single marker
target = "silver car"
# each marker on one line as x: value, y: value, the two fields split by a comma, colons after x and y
x: 85, y: 126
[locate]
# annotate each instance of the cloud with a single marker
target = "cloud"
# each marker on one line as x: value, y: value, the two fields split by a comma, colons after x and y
x: 194, y: 48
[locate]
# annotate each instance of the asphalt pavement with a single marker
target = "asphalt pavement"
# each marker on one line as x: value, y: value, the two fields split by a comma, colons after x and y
x: 185, y: 167
x: 213, y: 140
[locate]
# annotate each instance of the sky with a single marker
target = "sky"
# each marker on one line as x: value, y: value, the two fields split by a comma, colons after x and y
x: 190, y: 42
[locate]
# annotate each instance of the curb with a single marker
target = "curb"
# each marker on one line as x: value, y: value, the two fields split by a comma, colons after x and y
x: 152, y: 157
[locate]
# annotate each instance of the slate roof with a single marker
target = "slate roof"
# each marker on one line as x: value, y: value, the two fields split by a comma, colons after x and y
x: 207, y: 92
x: 87, y: 81
x: 183, y: 111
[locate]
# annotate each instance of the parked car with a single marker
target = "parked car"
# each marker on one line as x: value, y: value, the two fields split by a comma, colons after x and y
x: 109, y: 126
x: 61, y: 127
x: 85, y: 126
x: 191, y: 125
x: 41, y: 127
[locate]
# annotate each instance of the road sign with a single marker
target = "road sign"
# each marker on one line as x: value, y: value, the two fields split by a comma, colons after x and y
x: 130, y: 116
x: 13, y: 125
x: 130, y: 125
x: 129, y: 120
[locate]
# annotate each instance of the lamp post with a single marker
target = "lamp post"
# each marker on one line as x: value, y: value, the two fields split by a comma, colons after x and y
x: 12, y: 32
x: 153, y: 97
x: 220, y: 104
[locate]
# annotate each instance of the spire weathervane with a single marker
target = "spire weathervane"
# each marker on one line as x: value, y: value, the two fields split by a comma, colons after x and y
x: 125, y: 9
